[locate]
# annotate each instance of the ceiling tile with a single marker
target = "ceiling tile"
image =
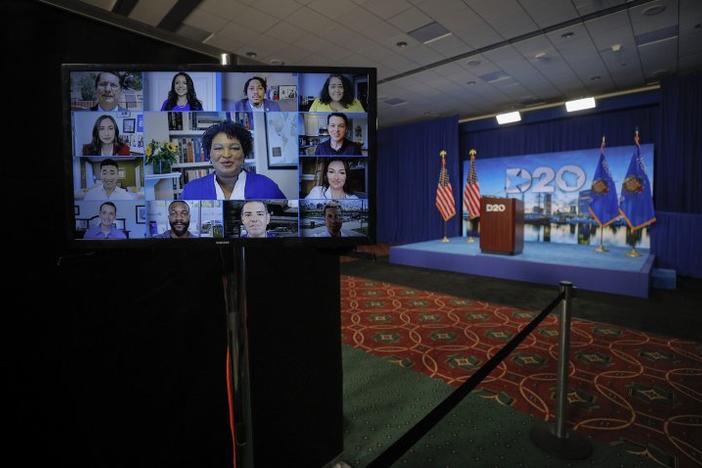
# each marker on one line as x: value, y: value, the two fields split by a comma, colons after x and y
x: 311, y: 21
x: 286, y: 33
x: 225, y: 8
x: 151, y: 12
x: 276, y: 8
x: 202, y: 19
x: 410, y: 20
x: 237, y: 33
x: 449, y: 46
x: 336, y: 9
x: 643, y: 24
x: 548, y: 13
x: 469, y: 27
x: 386, y: 8
x: 507, y: 17
x: 585, y: 7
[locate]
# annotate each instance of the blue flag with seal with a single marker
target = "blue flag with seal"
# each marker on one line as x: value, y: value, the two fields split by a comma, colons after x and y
x: 604, y: 204
x: 636, y: 203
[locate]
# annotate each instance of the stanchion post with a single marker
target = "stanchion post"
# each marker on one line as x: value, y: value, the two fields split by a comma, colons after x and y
x: 556, y: 438
x: 564, y: 335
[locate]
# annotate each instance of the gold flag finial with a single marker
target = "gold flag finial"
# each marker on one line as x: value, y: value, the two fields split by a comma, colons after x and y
x: 472, y: 153
x: 442, y: 153
x: 603, y: 140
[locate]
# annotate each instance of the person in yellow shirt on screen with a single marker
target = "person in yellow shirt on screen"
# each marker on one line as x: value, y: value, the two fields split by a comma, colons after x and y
x: 337, y: 96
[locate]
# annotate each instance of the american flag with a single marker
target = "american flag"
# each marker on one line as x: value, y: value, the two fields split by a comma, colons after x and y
x: 444, y: 193
x: 471, y: 194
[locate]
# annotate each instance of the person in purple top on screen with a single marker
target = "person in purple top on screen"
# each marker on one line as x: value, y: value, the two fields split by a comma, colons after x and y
x: 337, y: 124
x: 106, y: 229
x: 226, y: 145
x: 182, y: 96
x: 255, y: 218
x: 255, y: 100
x: 179, y: 220
x: 108, y: 90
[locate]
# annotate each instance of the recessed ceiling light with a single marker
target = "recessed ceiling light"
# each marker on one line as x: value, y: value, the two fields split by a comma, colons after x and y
x: 540, y: 56
x: 567, y: 35
x: 595, y: 77
x: 401, y: 44
x: 474, y: 63
x: 616, y: 47
x: 251, y: 54
x: 653, y: 10
x: 471, y: 83
x: 275, y: 61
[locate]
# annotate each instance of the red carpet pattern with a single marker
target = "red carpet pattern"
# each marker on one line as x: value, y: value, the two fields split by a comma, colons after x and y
x: 625, y: 386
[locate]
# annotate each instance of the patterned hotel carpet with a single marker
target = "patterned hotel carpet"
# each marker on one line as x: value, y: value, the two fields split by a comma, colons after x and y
x: 629, y: 386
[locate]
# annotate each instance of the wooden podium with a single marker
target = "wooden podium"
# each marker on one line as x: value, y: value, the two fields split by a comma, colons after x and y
x: 501, y: 225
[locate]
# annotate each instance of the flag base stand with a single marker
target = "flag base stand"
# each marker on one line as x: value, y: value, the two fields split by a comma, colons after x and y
x: 601, y: 249
x: 633, y: 253
x: 445, y: 239
x: 470, y: 240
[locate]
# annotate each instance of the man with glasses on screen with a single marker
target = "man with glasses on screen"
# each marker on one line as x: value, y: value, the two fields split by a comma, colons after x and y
x: 108, y: 90
x: 179, y: 220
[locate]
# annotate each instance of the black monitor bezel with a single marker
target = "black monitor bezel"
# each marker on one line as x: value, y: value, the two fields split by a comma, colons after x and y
x: 319, y: 242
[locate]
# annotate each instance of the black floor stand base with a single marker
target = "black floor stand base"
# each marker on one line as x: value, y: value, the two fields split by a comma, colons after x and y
x: 573, y: 447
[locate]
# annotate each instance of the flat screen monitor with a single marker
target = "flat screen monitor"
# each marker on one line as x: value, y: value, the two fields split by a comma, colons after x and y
x: 207, y: 154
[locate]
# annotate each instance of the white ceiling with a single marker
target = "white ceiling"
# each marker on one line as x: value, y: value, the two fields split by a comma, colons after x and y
x: 512, y: 52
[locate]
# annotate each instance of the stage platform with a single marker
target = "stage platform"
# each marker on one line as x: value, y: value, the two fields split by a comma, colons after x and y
x: 612, y: 272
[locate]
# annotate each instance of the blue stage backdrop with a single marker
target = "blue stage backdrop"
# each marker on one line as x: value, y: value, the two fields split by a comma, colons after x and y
x: 555, y: 189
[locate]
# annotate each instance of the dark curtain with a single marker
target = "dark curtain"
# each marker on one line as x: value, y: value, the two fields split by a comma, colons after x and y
x: 675, y: 239
x: 679, y: 156
x: 408, y: 174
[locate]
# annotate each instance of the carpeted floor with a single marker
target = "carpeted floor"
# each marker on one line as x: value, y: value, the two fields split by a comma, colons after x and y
x: 627, y: 387
x: 383, y: 400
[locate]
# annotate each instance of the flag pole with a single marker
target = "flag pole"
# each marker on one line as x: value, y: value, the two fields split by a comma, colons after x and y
x: 443, y: 153
x: 633, y: 252
x: 601, y: 248
x: 470, y: 240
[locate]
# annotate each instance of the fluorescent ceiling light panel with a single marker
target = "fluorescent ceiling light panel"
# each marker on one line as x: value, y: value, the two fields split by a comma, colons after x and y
x: 508, y: 117
x: 580, y: 104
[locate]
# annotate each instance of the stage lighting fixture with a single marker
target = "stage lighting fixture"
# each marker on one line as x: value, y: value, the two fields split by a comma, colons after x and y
x: 508, y: 117
x: 580, y: 104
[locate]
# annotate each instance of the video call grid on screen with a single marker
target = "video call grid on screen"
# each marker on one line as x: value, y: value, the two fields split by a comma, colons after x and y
x: 308, y: 170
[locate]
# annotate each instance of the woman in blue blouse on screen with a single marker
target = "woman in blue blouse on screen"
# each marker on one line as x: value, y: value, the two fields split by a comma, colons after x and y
x: 337, y: 96
x: 226, y: 145
x: 182, y: 96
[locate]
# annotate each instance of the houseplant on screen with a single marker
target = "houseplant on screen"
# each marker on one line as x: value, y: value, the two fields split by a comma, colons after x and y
x: 161, y: 156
